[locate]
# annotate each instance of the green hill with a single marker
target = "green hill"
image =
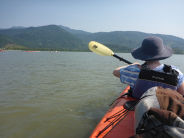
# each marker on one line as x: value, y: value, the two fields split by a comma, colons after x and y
x: 125, y: 41
x: 44, y: 37
x: 54, y: 37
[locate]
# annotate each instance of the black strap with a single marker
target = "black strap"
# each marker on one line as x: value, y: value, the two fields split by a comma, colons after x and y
x: 168, y: 69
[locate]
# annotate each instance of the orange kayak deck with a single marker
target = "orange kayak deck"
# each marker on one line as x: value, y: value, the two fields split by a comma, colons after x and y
x: 117, y: 122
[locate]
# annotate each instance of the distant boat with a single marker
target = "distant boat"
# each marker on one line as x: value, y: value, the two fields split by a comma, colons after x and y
x: 31, y: 51
x: 2, y: 50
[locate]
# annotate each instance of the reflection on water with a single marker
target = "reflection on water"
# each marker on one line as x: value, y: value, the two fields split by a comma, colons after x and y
x: 63, y: 94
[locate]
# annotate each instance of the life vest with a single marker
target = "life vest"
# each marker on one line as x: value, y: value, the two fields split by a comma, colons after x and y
x: 149, y: 78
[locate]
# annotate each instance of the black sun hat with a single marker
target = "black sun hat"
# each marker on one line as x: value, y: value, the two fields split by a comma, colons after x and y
x: 152, y: 48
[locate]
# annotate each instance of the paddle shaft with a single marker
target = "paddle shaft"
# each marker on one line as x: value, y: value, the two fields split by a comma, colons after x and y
x: 122, y: 59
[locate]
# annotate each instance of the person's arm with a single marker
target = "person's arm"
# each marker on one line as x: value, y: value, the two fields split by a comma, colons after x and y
x: 181, y: 89
x: 116, y: 72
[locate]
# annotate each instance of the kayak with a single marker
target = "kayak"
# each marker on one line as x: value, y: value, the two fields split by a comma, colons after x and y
x: 31, y: 51
x: 118, y: 122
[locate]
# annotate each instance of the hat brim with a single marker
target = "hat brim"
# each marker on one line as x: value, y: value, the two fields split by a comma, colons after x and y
x: 139, y: 54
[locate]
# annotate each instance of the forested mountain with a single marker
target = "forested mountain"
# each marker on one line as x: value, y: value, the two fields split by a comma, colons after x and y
x: 53, y: 37
x: 125, y: 41
x: 44, y: 37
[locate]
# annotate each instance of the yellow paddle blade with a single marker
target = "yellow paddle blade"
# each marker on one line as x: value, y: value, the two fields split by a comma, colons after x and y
x: 100, y: 49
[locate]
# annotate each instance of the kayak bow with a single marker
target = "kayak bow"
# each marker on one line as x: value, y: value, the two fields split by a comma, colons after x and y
x: 118, y: 122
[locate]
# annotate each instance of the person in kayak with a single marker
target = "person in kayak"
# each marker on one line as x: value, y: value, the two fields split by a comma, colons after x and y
x: 137, y: 76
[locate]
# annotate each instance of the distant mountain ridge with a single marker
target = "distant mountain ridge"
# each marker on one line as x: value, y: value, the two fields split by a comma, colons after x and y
x: 44, y: 37
x: 58, y: 37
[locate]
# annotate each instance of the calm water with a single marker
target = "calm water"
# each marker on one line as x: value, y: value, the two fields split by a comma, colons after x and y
x: 60, y: 95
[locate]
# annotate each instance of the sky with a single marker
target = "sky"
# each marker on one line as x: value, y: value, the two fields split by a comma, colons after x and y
x: 149, y: 16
